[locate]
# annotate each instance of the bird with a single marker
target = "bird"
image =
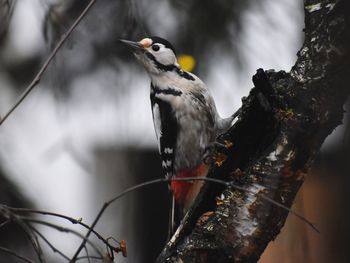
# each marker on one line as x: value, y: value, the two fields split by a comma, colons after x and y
x: 185, y: 117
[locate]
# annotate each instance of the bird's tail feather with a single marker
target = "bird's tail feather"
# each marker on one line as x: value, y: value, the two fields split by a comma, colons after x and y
x: 175, y: 216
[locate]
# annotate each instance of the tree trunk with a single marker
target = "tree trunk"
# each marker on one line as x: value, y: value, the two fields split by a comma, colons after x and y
x: 281, y: 127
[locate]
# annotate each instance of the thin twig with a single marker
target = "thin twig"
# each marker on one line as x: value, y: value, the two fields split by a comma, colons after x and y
x: 54, y: 249
x: 40, y: 250
x: 90, y: 257
x: 63, y: 229
x: 70, y: 219
x: 4, y: 223
x: 87, y: 254
x: 32, y: 238
x: 42, y: 70
x: 163, y: 180
x: 13, y: 253
x: 85, y: 239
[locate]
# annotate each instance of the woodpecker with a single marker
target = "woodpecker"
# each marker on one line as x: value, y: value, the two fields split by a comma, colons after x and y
x: 185, y: 118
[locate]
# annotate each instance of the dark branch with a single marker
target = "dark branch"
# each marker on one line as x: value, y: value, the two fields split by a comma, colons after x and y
x: 64, y: 230
x: 70, y: 219
x: 164, y: 180
x: 281, y: 127
x: 31, y: 237
x: 15, y: 254
x: 54, y: 249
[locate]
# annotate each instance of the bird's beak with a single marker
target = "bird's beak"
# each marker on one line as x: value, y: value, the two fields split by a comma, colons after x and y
x: 132, y: 45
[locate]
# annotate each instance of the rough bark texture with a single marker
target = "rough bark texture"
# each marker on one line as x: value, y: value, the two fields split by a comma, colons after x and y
x: 281, y: 127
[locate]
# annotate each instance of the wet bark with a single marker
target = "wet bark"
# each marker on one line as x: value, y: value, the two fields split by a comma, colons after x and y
x: 281, y: 127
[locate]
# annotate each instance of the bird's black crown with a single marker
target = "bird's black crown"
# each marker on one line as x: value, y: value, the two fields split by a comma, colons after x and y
x: 163, y: 41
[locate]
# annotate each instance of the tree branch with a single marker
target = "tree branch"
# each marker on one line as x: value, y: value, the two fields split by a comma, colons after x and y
x: 281, y: 127
x: 54, y: 249
x: 70, y: 219
x: 13, y: 253
x: 64, y: 230
x: 15, y: 215
x: 42, y: 70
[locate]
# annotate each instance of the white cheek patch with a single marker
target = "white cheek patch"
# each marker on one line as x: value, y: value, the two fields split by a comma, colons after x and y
x: 165, y: 56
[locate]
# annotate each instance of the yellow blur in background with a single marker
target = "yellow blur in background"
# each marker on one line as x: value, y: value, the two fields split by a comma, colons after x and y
x: 187, y: 62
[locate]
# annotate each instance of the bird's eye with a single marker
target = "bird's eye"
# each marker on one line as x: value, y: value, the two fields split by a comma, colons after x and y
x: 155, y: 47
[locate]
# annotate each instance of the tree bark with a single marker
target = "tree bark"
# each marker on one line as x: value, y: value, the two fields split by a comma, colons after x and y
x: 281, y: 127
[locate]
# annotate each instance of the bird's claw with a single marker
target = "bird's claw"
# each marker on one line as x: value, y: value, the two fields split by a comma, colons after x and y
x: 214, y: 152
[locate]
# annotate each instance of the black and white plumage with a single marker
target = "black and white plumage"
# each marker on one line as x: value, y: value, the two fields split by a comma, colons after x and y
x: 184, y: 113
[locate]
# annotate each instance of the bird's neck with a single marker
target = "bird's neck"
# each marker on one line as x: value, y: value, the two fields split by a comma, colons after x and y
x: 165, y: 78
x: 171, y: 77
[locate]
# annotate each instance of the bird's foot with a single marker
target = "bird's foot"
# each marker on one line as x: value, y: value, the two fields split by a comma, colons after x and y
x: 216, y: 152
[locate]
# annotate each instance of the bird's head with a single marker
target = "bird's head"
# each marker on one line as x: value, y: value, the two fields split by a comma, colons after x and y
x: 155, y: 54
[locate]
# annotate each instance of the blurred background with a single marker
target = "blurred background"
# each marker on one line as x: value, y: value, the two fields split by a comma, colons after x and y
x: 85, y: 133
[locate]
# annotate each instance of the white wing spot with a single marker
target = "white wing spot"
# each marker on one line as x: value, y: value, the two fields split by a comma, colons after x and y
x: 157, y: 123
x: 168, y: 150
x: 166, y: 163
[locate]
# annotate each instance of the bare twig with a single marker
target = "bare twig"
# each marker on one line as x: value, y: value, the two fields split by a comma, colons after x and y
x: 89, y: 257
x: 32, y: 238
x: 14, y: 214
x: 42, y: 70
x: 70, y: 219
x: 28, y: 232
x: 87, y: 254
x: 65, y: 230
x: 54, y: 249
x: 4, y: 223
x: 13, y: 253
x: 163, y: 180
x: 38, y: 245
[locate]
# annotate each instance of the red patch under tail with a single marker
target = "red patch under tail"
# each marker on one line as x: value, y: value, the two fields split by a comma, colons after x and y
x: 181, y: 189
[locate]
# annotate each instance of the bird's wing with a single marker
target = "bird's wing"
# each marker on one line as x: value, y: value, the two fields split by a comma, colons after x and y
x: 166, y: 128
